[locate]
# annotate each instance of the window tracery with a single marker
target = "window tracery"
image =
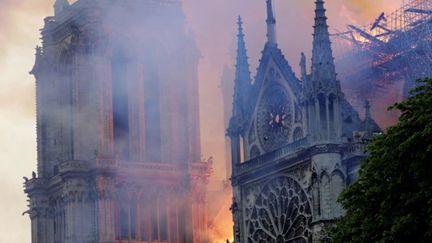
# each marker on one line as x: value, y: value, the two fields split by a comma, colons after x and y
x: 278, y: 212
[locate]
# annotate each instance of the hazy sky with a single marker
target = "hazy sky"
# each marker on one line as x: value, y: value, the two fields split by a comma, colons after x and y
x: 212, y: 22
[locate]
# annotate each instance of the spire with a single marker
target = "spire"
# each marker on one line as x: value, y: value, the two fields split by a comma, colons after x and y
x: 367, y: 109
x: 369, y: 124
x: 322, y: 85
x: 271, y: 24
x: 242, y: 84
x: 323, y: 67
x: 242, y: 78
x: 303, y: 67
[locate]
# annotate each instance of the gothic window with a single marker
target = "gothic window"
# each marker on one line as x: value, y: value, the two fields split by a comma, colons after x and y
x: 315, y: 196
x: 274, y: 118
x: 322, y: 113
x: 325, y: 200
x: 63, y: 89
x: 242, y: 149
x: 332, y: 115
x: 120, y: 106
x: 279, y: 212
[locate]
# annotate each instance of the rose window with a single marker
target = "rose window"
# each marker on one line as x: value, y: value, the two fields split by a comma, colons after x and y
x: 280, y: 213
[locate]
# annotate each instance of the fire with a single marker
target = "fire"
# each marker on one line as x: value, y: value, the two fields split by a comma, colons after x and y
x: 221, y: 222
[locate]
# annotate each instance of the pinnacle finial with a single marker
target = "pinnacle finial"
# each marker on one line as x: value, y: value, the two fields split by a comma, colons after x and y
x: 367, y: 109
x: 242, y: 76
x: 240, y: 25
x: 323, y: 67
x: 271, y: 24
x: 303, y: 67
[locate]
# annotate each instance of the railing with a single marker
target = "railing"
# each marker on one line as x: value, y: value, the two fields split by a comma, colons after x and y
x: 355, y: 149
x: 197, y: 167
x: 283, y: 152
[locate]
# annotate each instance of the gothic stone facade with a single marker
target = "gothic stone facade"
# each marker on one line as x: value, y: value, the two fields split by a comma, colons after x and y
x: 117, y: 126
x: 296, y: 143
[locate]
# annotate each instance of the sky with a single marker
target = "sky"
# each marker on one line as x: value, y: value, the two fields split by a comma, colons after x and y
x: 213, y: 25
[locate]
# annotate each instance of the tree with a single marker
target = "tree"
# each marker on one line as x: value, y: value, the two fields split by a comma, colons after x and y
x: 392, y: 199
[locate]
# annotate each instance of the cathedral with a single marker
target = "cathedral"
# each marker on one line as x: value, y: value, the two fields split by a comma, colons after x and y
x: 296, y: 143
x: 118, y: 150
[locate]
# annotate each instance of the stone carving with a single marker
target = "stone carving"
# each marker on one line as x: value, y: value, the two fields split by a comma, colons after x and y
x: 279, y: 212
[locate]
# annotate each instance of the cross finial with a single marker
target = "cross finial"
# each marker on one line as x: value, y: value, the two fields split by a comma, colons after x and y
x: 367, y: 109
x: 271, y: 24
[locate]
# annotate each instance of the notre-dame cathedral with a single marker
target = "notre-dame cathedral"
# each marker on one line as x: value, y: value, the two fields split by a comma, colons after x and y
x: 296, y: 142
x: 117, y: 126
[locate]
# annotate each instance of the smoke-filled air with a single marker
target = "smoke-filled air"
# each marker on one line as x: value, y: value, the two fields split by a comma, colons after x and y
x: 184, y: 55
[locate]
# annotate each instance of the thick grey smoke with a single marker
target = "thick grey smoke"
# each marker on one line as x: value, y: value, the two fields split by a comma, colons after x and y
x: 212, y: 24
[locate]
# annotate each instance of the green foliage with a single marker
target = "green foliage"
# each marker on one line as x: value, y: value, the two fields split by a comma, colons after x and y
x: 392, y: 199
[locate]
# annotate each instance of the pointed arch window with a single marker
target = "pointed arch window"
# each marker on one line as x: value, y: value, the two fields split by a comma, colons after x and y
x: 120, y: 103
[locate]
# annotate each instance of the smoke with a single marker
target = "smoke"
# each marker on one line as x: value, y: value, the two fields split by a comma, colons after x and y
x: 212, y: 25
x: 365, y: 9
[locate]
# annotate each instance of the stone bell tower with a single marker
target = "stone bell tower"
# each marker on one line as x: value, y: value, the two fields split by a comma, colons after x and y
x: 294, y: 142
x: 117, y: 126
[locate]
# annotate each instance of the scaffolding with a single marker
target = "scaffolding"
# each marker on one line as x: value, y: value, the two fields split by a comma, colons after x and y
x: 395, y: 47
